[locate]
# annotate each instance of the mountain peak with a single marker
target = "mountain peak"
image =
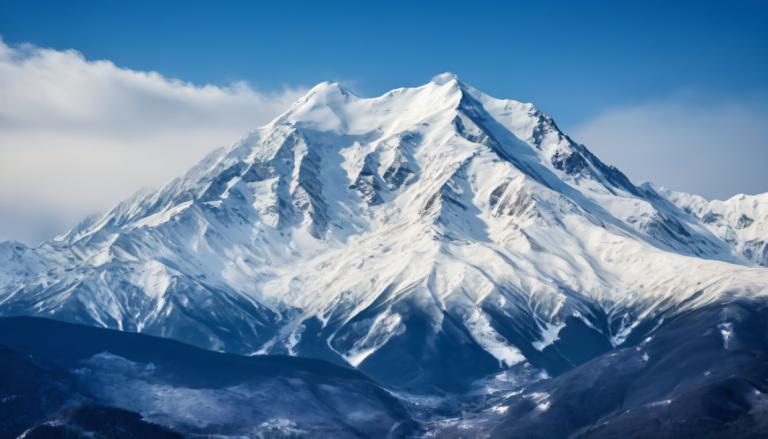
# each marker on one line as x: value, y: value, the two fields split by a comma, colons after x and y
x: 328, y: 87
x: 324, y: 93
x: 444, y: 78
x: 358, y: 229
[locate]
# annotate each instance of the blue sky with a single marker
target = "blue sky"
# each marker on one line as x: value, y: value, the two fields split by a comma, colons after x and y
x: 673, y: 92
x: 571, y: 58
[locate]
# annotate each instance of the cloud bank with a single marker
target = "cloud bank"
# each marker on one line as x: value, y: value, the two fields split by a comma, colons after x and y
x: 687, y: 143
x: 77, y: 136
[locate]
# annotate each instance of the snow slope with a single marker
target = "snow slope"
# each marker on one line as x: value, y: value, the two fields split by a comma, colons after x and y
x: 741, y: 221
x: 51, y: 368
x: 429, y: 236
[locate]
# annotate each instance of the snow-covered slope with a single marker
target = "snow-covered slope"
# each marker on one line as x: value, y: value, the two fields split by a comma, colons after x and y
x: 741, y: 221
x: 428, y: 236
x: 53, y: 374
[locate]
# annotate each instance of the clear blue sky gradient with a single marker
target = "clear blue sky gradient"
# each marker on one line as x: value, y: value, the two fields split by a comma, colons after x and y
x: 571, y: 58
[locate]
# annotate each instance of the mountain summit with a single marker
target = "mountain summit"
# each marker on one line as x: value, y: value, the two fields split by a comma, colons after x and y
x: 430, y: 237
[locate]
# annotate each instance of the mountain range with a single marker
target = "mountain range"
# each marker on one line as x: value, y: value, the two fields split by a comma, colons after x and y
x: 434, y: 238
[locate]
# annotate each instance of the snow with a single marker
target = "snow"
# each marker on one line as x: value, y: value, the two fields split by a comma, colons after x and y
x: 741, y: 221
x: 493, y: 342
x: 154, y: 279
x: 384, y: 327
x: 549, y: 335
x: 438, y: 199
x: 158, y: 218
x: 256, y: 406
x: 662, y: 403
x: 500, y: 409
x: 726, y: 331
x: 541, y: 399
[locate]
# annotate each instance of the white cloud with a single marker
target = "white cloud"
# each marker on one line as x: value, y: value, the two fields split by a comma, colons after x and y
x: 687, y: 143
x: 77, y: 136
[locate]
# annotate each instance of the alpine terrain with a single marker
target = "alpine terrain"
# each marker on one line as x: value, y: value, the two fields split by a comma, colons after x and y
x: 458, y: 249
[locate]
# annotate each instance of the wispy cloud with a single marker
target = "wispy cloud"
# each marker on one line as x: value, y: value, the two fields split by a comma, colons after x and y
x: 687, y: 142
x: 77, y: 136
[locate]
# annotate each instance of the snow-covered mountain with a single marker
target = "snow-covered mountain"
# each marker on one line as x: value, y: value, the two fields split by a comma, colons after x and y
x: 429, y: 236
x: 741, y: 221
